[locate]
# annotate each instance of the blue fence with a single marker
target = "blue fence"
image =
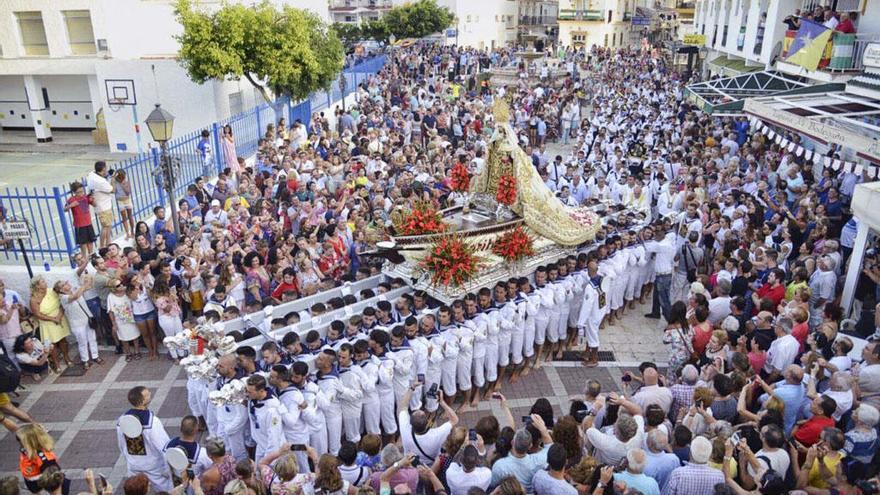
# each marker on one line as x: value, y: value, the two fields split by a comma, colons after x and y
x: 52, y: 237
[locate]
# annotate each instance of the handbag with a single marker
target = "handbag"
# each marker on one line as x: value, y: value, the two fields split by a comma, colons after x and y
x: 691, y: 272
x: 10, y: 376
x: 694, y: 357
x: 92, y: 321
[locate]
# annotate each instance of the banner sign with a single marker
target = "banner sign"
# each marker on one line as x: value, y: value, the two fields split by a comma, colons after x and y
x: 866, y: 147
x: 695, y: 39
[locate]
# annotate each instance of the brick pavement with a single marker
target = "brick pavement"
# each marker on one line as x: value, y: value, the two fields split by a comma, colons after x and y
x: 81, y: 412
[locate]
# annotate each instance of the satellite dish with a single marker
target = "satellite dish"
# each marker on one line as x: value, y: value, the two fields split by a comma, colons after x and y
x: 176, y: 458
x: 131, y: 427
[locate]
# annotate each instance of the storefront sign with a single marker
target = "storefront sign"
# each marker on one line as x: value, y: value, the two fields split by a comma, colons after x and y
x: 695, y: 39
x: 866, y: 147
x: 871, y: 58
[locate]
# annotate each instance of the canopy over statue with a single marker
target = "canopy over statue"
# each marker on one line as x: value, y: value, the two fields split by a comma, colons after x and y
x: 542, y: 211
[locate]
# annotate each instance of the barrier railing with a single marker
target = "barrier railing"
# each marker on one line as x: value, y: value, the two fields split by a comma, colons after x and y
x: 52, y: 236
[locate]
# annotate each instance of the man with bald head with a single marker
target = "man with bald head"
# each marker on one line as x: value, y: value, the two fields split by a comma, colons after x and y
x: 791, y: 391
x: 214, y: 479
x: 659, y: 462
x: 652, y: 393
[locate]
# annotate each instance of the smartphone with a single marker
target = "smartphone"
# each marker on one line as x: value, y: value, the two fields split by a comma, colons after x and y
x: 627, y: 378
x: 432, y: 391
x: 472, y: 435
x: 735, y: 437
x: 190, y: 474
x: 415, y: 462
x: 527, y: 420
x: 14, y: 299
x: 421, y: 378
x: 102, y: 483
x: 298, y: 447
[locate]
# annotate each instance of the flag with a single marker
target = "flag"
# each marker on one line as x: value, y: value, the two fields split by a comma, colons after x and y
x: 808, y: 46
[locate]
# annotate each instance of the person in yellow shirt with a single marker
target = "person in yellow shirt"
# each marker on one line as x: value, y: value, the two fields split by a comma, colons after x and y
x: 823, y: 460
x: 235, y: 198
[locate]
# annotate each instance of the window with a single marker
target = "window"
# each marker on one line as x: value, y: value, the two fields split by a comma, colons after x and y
x: 33, y: 33
x: 79, y: 32
x: 606, y: 40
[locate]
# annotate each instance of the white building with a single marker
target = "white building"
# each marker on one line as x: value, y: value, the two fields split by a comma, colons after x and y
x: 605, y: 23
x: 749, y: 35
x: 358, y: 11
x: 484, y: 24
x: 539, y: 17
x: 64, y: 61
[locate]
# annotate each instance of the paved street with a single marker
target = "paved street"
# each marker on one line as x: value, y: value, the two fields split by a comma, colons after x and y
x: 81, y: 412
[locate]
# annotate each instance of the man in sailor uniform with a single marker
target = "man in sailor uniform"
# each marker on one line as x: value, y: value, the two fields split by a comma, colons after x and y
x: 335, y: 337
x: 593, y: 310
x: 480, y: 323
x: 295, y: 425
x: 527, y: 310
x: 265, y: 412
x: 506, y: 321
x: 332, y: 390
x: 199, y: 461
x: 369, y: 372
x: 434, y: 342
x: 419, y: 345
x: 352, y: 397
x: 555, y: 296
x: 464, y: 332
x: 144, y: 454
x: 566, y: 287
x: 402, y: 355
x: 543, y: 297
x: 450, y: 349
x: 518, y: 328
x: 492, y: 318
x: 232, y: 419
x: 577, y: 272
x: 379, y: 341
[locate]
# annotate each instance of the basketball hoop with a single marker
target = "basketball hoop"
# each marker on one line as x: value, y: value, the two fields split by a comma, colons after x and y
x: 115, y: 104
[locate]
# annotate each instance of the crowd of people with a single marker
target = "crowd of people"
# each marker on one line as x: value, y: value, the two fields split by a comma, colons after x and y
x: 741, y: 253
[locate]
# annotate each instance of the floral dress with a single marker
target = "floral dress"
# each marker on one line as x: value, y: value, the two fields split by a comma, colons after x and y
x: 679, y: 340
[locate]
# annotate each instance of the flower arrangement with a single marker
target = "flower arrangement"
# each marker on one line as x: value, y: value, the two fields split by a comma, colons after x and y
x: 584, y: 216
x: 451, y: 261
x: 459, y: 178
x: 506, y: 194
x: 514, y: 245
x: 424, y: 219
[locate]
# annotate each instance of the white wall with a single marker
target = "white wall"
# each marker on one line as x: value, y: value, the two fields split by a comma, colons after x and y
x: 485, y: 26
x: 192, y: 105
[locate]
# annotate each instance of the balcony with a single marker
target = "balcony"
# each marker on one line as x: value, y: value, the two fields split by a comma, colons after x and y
x: 580, y: 15
x: 841, y: 60
x: 349, y: 5
x: 536, y: 20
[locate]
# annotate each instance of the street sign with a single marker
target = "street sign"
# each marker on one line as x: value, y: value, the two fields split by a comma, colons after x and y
x: 695, y: 39
x: 641, y: 21
x: 451, y: 33
x: 14, y: 230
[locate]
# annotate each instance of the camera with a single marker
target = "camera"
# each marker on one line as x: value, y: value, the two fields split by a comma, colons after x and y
x: 433, y: 391
x: 472, y: 435
x: 527, y: 420
x: 580, y: 415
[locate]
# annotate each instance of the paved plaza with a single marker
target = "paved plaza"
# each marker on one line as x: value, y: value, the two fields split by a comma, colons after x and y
x: 81, y: 412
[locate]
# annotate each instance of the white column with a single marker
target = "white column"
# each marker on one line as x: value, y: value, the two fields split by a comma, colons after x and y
x: 855, y: 267
x: 39, y: 113
x: 95, y: 95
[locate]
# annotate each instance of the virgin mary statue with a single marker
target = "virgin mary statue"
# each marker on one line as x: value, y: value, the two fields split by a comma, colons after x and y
x: 535, y: 202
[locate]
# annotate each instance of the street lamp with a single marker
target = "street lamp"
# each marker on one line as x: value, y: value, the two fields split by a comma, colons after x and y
x: 160, y: 122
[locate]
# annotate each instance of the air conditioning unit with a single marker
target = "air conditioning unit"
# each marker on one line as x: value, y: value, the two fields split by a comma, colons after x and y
x: 103, y: 47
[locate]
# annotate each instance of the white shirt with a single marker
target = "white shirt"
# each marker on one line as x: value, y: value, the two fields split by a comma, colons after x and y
x: 610, y: 450
x: 653, y: 394
x: 460, y: 482
x: 429, y: 443
x: 664, y: 251
x: 782, y: 353
x: 719, y: 309
x: 102, y: 192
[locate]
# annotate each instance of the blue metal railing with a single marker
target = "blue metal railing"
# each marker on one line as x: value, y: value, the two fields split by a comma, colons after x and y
x: 52, y: 236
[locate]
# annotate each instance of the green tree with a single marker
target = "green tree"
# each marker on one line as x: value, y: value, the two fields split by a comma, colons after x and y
x: 348, y: 33
x: 281, y: 52
x: 416, y: 19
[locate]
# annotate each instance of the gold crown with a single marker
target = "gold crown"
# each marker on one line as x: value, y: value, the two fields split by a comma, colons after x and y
x: 501, y: 111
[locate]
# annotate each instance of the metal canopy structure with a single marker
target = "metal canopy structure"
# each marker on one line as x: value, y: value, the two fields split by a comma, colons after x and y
x: 719, y: 95
x: 851, y: 111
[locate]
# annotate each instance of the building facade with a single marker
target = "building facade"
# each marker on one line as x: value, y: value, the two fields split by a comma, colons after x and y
x: 605, y: 23
x: 539, y: 18
x: 102, y: 65
x: 358, y: 11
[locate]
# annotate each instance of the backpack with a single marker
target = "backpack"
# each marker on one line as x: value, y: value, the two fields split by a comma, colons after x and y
x: 789, y: 478
x: 10, y: 376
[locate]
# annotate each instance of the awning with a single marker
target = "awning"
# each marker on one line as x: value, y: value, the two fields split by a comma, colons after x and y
x: 725, y: 95
x: 835, y: 117
x: 731, y: 66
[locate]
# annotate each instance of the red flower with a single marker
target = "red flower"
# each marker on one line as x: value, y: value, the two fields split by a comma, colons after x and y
x: 459, y: 178
x: 451, y: 262
x: 506, y: 193
x: 424, y: 219
x: 514, y: 245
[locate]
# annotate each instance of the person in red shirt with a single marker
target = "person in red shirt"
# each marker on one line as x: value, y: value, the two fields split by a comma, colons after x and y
x: 772, y: 289
x: 80, y: 205
x: 845, y: 25
x: 288, y: 283
x: 810, y: 431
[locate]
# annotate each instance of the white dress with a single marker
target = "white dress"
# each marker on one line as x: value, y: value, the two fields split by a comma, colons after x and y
x: 120, y: 306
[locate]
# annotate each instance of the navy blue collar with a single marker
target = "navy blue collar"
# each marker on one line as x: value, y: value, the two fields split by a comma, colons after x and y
x: 143, y: 415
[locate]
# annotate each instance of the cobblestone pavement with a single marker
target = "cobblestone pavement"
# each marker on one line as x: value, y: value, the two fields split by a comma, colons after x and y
x: 81, y: 412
